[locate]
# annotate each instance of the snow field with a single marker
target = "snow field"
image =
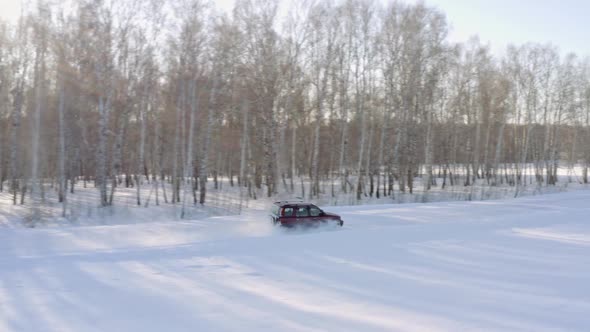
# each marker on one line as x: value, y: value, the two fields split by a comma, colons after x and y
x: 513, y: 265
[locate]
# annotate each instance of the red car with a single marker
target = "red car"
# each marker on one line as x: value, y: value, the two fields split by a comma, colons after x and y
x: 289, y: 214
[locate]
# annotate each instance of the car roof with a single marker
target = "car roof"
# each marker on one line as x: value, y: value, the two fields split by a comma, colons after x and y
x: 288, y: 203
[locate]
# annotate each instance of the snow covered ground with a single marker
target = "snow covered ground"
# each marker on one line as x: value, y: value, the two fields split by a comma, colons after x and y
x: 512, y: 265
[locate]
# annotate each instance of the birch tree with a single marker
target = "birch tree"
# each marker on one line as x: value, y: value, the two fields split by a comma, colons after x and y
x: 21, y: 65
x: 257, y: 19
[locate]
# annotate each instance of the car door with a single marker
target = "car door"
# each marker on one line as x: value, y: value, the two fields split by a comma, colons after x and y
x: 315, y: 213
x: 302, y: 214
x: 288, y: 216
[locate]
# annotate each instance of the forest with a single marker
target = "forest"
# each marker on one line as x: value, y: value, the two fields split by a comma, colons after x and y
x: 319, y: 99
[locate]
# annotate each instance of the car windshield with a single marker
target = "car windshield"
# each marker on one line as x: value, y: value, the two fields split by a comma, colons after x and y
x: 315, y: 211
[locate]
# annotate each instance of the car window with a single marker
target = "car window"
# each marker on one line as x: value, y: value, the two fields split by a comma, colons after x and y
x: 275, y: 209
x: 315, y: 211
x: 288, y: 212
x: 302, y: 211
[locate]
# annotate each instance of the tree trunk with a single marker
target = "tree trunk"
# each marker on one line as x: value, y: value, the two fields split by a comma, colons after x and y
x: 203, y: 172
x: 62, y: 189
x: 194, y: 101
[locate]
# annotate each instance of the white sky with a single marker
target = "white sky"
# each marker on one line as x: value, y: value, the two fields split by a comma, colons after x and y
x: 563, y: 23
x: 9, y: 9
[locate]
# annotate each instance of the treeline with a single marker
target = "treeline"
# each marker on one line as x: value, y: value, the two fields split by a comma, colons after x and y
x: 362, y: 96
